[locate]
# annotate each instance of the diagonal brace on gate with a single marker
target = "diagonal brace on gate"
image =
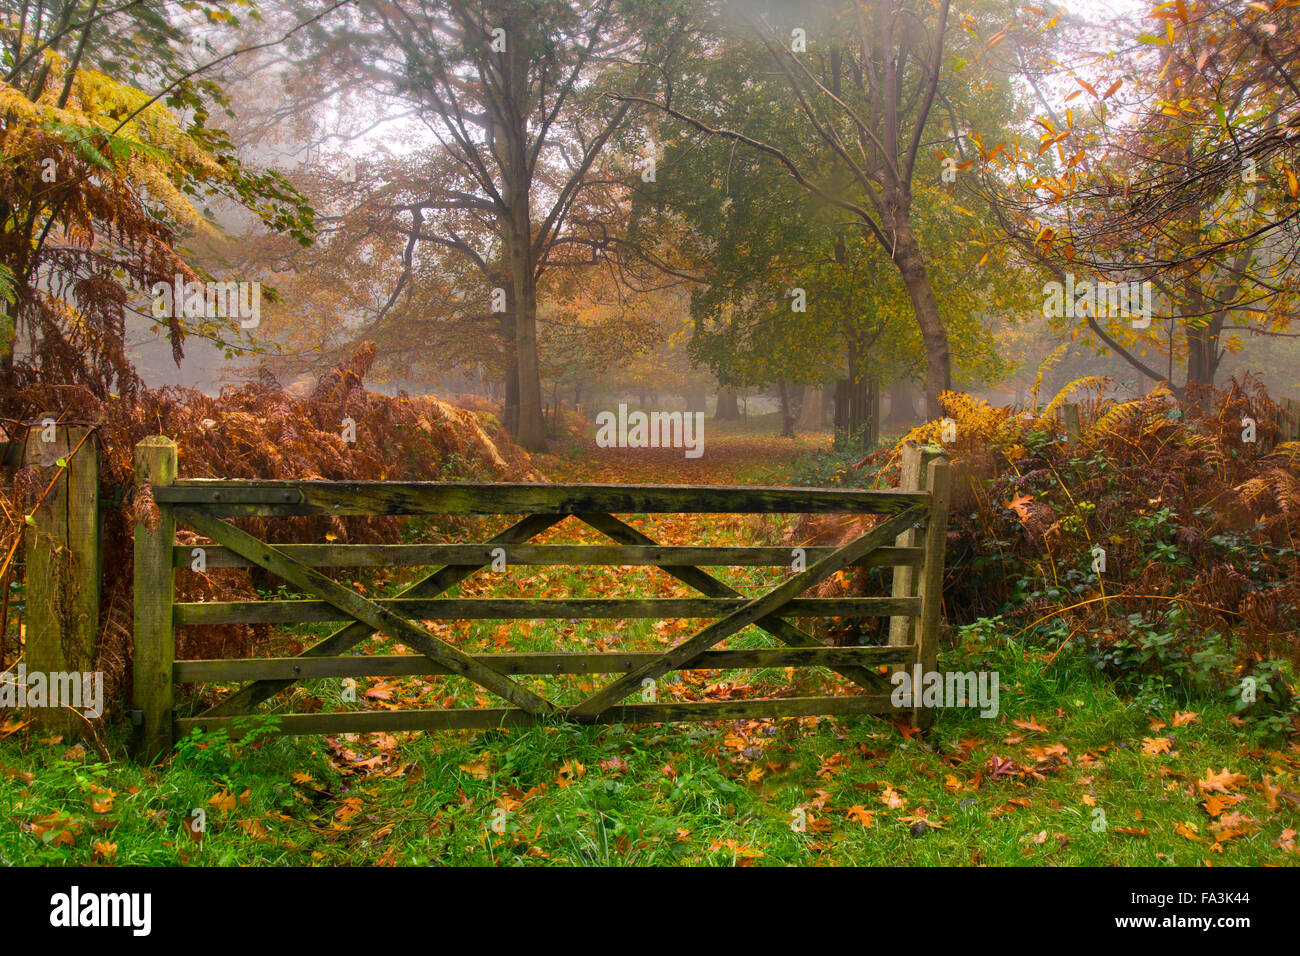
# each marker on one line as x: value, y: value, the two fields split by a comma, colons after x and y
x: 761, y: 607
x: 348, y: 637
x: 364, y: 610
x: 710, y: 586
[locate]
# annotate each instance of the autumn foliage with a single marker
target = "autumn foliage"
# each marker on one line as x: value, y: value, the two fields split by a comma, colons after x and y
x: 1193, y: 521
x: 256, y: 430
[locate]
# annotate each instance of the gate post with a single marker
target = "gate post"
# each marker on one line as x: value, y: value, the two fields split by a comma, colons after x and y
x: 1070, y: 421
x: 154, y: 641
x: 913, y: 476
x: 939, y: 482
x: 63, y: 568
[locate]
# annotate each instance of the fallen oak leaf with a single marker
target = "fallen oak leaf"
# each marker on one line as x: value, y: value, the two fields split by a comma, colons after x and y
x: 1000, y: 768
x: 862, y: 815
x: 1220, y: 782
x: 1215, y: 804
x: 891, y: 799
x: 478, y: 769
x: 1233, y: 825
x: 222, y: 801
x: 1030, y: 724
x: 1187, y: 830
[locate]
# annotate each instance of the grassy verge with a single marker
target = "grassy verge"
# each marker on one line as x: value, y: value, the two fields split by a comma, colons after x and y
x: 1068, y: 773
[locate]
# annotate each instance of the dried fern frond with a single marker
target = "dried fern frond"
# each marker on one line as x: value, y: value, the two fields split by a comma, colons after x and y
x: 1086, y: 383
x: 1049, y: 363
x: 1113, y: 416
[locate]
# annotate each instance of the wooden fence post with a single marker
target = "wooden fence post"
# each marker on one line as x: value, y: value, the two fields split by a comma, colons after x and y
x: 1290, y: 423
x: 63, y: 567
x: 939, y: 482
x: 912, y: 477
x: 155, y: 642
x: 1070, y: 419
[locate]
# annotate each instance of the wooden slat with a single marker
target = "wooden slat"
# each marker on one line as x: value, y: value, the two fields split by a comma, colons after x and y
x: 529, y: 609
x: 770, y: 603
x: 580, y: 555
x: 373, y: 721
x: 364, y: 610
x: 420, y: 498
x: 549, y: 662
x: 344, y: 639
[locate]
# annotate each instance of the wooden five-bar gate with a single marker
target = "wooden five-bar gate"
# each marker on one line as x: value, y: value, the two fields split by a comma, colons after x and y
x: 908, y: 537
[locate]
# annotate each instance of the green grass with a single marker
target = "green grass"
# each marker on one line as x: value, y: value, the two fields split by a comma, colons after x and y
x: 684, y: 794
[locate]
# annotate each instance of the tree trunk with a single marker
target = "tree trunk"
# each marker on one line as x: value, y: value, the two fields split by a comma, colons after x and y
x: 508, y: 134
x: 530, y: 434
x: 787, y: 419
x: 1202, y: 349
x: 510, y: 380
x: 728, y: 409
x: 810, y: 419
x: 911, y: 266
x: 529, y: 428
x: 901, y: 410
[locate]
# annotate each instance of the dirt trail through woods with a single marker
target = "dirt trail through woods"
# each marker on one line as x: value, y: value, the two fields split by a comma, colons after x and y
x: 728, y: 458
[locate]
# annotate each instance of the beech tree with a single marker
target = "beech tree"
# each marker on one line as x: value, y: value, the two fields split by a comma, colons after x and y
x: 513, y: 95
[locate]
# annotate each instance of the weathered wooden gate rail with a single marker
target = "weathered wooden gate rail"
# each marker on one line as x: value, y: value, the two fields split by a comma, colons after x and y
x: 201, y: 504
